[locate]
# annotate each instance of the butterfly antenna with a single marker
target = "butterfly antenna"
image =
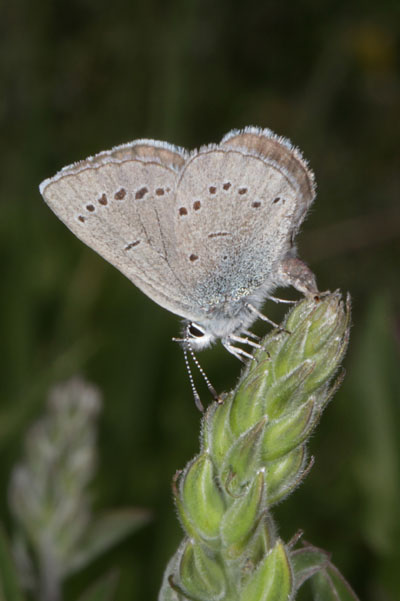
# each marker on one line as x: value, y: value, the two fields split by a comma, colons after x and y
x: 196, y: 395
x: 203, y: 373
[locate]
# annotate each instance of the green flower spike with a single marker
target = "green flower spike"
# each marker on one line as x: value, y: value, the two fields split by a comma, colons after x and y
x: 253, y: 454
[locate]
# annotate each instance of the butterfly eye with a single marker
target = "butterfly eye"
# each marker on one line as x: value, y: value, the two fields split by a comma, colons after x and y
x: 195, y: 331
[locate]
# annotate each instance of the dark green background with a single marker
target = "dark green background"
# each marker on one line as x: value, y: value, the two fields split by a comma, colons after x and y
x: 81, y: 76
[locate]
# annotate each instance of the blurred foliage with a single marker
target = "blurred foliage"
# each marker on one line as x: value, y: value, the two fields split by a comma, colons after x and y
x: 54, y: 532
x: 80, y: 77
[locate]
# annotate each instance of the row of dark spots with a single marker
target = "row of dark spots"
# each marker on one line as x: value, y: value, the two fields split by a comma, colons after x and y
x: 103, y: 201
x: 226, y: 186
x: 139, y: 194
x: 196, y: 206
x: 212, y: 190
x: 256, y: 204
x: 120, y: 195
x: 242, y: 191
x: 143, y: 191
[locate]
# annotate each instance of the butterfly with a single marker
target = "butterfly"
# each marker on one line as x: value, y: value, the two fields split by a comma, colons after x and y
x: 207, y: 234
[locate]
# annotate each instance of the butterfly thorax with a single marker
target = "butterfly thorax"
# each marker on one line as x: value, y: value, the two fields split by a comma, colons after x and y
x: 224, y: 320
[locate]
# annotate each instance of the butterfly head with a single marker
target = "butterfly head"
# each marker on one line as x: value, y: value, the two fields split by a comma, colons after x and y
x: 195, y: 337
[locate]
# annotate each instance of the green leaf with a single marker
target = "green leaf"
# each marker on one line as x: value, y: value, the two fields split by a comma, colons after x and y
x: 202, y: 502
x: 217, y: 436
x: 286, y: 392
x: 241, y: 518
x: 284, y: 434
x: 9, y: 585
x: 201, y: 576
x: 307, y: 562
x: 102, y: 590
x: 272, y: 580
x: 322, y: 338
x: 262, y: 540
x: 284, y: 474
x: 248, y: 405
x: 242, y: 459
x: 329, y: 585
x: 105, y: 532
x: 327, y: 582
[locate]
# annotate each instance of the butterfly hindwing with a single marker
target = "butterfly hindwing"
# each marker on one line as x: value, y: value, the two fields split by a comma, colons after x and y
x: 234, y: 215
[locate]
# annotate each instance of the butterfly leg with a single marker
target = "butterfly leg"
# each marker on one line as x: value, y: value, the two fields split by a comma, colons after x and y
x: 265, y: 318
x: 275, y: 299
x: 245, y: 340
x: 237, y: 352
x: 261, y: 316
x: 251, y: 335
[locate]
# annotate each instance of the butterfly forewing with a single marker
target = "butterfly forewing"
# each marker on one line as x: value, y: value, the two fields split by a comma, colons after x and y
x: 123, y: 211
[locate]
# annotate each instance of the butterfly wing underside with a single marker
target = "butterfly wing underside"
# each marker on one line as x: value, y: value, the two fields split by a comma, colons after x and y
x: 238, y: 207
x: 120, y: 204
